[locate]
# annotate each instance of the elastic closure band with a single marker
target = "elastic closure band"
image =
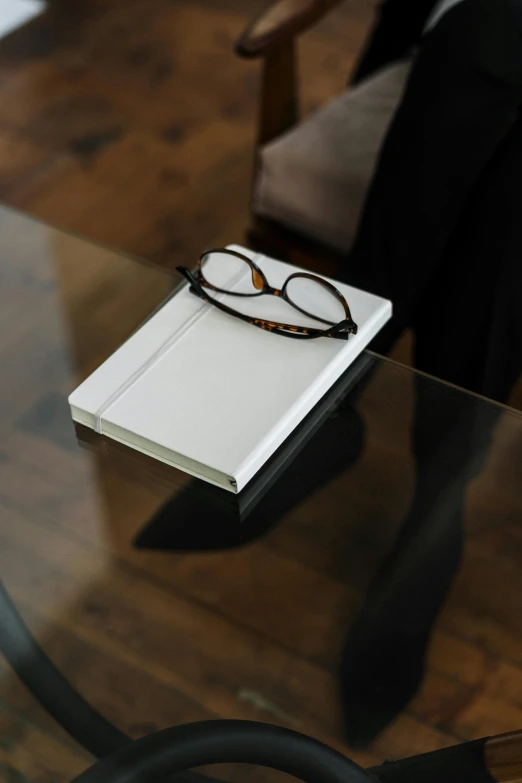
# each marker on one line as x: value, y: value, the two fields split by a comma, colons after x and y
x: 145, y: 367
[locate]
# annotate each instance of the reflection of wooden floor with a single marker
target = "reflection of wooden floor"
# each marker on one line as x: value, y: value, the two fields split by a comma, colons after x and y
x: 154, y: 639
x: 157, y: 638
x: 131, y: 122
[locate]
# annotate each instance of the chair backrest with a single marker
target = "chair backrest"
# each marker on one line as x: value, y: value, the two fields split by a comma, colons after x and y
x: 314, y: 178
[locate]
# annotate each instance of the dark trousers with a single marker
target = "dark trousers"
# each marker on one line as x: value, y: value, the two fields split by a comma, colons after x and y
x: 441, y: 234
x: 397, y: 30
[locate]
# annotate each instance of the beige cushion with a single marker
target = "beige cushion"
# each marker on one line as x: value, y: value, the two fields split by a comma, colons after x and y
x: 315, y: 177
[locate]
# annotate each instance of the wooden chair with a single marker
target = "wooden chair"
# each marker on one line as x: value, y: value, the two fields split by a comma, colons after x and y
x: 311, y: 177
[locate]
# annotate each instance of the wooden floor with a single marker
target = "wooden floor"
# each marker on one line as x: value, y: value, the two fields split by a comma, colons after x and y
x: 131, y: 122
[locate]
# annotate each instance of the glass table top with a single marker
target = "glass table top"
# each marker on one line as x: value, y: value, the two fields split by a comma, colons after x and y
x: 364, y: 589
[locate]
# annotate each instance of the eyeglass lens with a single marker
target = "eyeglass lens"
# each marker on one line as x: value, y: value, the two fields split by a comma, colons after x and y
x: 317, y: 300
x: 223, y: 270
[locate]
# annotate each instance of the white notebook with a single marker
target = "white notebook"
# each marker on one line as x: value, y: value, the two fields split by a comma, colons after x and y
x: 215, y: 396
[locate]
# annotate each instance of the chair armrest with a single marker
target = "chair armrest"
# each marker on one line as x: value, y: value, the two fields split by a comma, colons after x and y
x: 282, y: 21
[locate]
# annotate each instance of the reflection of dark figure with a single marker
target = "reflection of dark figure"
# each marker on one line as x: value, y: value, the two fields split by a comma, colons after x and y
x: 441, y: 236
x: 384, y: 656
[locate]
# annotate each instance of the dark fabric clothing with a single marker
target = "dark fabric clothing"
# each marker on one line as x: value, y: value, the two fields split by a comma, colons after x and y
x: 441, y: 237
x: 495, y: 26
x: 440, y: 233
x: 477, y: 289
x: 397, y: 29
x: 496, y: 32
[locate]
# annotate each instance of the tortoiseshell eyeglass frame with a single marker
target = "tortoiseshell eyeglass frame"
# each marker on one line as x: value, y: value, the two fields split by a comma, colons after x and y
x: 198, y: 283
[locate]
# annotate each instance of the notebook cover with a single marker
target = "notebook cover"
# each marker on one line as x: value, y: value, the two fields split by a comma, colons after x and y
x: 215, y: 396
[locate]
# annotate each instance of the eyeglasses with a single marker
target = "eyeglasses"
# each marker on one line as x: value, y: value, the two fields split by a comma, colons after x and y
x: 310, y: 294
